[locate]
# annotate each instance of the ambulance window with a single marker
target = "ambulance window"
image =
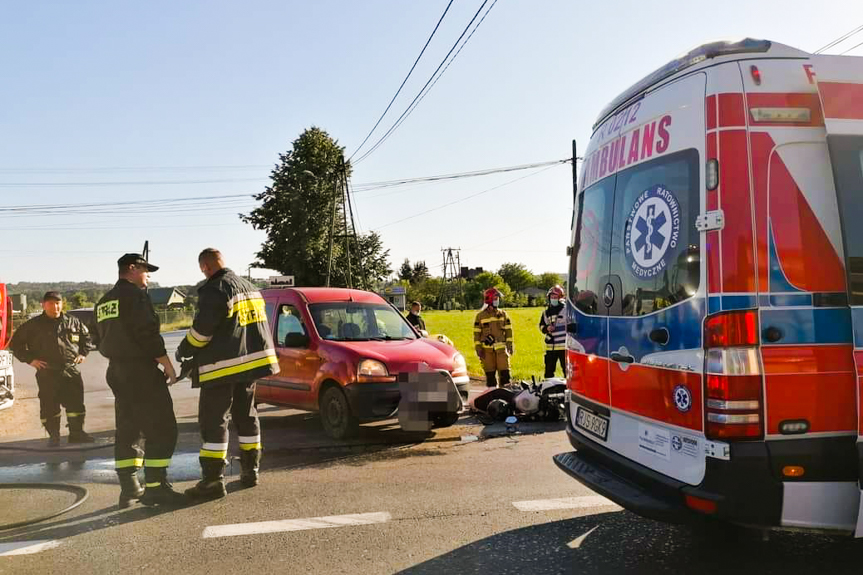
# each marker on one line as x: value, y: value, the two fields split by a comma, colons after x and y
x: 589, y: 261
x: 655, y: 246
x: 846, y: 155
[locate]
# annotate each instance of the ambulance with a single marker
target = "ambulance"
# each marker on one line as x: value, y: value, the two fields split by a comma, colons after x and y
x: 715, y: 315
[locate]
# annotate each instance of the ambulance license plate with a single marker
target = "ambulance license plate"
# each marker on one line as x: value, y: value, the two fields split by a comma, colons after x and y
x: 592, y: 423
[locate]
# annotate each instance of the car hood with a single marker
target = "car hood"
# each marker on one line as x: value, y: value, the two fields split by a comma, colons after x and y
x: 400, y: 355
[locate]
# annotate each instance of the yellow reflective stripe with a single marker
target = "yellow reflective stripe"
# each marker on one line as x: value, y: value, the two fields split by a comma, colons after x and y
x: 73, y: 414
x: 250, y: 446
x: 491, y: 319
x: 250, y: 310
x: 124, y: 463
x: 213, y: 454
x: 156, y: 484
x: 499, y: 346
x: 224, y: 372
x: 477, y: 330
x: 194, y: 342
x: 509, y: 339
x: 157, y: 462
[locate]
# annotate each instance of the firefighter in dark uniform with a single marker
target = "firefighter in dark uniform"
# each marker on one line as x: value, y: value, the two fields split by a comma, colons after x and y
x: 128, y: 330
x: 552, y: 324
x: 231, y: 346
x: 55, y: 344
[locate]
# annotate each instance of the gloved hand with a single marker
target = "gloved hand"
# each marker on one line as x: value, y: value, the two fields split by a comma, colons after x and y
x: 489, y: 340
x: 178, y: 356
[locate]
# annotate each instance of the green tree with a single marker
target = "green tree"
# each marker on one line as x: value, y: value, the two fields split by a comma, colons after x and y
x: 474, y: 289
x: 78, y: 299
x: 548, y: 280
x: 516, y: 276
x: 406, y: 272
x: 420, y: 272
x: 296, y: 212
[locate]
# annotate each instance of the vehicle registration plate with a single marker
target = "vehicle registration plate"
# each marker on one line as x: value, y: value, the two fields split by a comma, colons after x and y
x: 592, y: 423
x: 5, y: 359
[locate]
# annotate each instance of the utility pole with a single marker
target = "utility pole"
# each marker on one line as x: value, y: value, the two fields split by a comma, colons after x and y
x: 342, y: 197
x: 452, y: 286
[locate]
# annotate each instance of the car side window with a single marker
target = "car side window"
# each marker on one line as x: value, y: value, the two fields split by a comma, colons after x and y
x: 289, y: 322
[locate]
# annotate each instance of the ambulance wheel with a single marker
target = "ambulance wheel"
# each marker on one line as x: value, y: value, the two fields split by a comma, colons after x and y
x: 336, y: 416
x: 444, y: 419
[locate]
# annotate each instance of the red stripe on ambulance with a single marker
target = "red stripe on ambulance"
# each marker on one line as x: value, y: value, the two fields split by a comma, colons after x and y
x: 842, y: 101
x: 649, y: 391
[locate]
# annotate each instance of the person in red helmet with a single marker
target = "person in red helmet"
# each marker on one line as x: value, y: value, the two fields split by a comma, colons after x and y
x: 552, y: 324
x: 492, y: 338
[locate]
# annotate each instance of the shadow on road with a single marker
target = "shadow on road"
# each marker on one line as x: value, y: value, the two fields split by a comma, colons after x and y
x: 625, y: 543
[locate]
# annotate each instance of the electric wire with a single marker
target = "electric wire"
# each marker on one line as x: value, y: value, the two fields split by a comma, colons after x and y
x: 851, y: 48
x: 838, y: 40
x: 413, y: 103
x: 375, y: 127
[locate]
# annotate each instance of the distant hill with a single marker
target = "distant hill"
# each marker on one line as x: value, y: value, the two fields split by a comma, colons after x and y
x: 75, y: 294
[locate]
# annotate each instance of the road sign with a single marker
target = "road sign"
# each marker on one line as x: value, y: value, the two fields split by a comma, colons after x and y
x: 282, y: 281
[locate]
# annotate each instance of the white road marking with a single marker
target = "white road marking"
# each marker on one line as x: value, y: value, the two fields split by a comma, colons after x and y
x: 564, y: 503
x: 296, y: 524
x: 576, y: 543
x: 26, y: 547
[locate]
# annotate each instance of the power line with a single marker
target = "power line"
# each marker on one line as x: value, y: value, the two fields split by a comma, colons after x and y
x: 67, y: 170
x: 464, y: 199
x: 416, y: 99
x: 369, y: 135
x: 838, y: 40
x: 125, y: 183
x: 851, y: 48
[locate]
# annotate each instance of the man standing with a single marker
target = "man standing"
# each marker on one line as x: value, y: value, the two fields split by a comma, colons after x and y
x: 414, y: 317
x: 129, y: 337
x: 552, y: 324
x: 492, y: 337
x: 232, y: 346
x: 55, y: 344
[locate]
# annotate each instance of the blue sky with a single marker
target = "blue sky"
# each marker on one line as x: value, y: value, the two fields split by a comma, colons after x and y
x: 91, y: 87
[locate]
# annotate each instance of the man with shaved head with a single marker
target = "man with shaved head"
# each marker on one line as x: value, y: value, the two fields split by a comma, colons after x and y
x: 232, y: 346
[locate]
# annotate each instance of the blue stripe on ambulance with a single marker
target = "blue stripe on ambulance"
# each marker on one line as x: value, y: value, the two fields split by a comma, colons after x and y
x: 810, y: 326
x: 683, y: 322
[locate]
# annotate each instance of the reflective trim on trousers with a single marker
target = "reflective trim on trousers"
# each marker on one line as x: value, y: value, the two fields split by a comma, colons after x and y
x: 250, y: 446
x: 157, y: 462
x: 210, y: 454
x: 124, y: 463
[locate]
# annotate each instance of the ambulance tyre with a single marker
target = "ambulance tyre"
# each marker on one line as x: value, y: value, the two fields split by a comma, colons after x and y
x: 444, y: 419
x: 336, y: 416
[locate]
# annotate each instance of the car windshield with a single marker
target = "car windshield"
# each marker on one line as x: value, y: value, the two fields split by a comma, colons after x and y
x: 351, y: 321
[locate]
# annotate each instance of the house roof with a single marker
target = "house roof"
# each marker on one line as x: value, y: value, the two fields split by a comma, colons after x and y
x: 161, y: 296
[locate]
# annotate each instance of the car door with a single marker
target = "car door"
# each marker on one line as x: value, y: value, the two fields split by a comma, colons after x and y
x: 297, y: 358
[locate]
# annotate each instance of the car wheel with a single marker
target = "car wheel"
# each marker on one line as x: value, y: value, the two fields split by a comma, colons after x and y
x: 444, y: 419
x: 336, y: 416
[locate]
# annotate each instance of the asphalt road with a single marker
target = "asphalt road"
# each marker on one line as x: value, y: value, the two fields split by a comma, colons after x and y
x: 468, y: 499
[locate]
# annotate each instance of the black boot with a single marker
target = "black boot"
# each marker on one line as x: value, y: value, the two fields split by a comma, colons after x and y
x: 158, y: 491
x: 130, y: 488
x: 491, y: 379
x: 504, y: 377
x: 250, y: 461
x: 212, y: 485
x: 76, y: 430
x: 52, y: 426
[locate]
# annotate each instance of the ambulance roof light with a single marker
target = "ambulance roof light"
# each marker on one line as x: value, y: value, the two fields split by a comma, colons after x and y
x: 691, y: 58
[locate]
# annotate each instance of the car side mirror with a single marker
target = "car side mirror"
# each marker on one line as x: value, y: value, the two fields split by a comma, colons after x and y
x: 572, y: 328
x: 297, y: 340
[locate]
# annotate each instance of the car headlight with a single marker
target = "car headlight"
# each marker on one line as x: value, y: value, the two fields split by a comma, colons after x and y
x: 458, y: 363
x: 372, y: 368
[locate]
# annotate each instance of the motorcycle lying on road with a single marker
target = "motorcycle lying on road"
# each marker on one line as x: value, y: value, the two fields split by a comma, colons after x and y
x: 543, y: 401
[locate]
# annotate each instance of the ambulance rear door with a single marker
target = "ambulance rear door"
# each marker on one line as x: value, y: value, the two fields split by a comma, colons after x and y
x: 840, y: 87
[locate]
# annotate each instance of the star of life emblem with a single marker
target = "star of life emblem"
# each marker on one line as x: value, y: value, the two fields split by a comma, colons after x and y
x: 652, y: 231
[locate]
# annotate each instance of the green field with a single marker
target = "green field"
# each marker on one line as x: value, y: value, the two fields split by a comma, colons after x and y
x: 529, y: 342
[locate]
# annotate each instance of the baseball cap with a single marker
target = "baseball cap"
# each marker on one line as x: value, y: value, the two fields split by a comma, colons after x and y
x: 52, y: 295
x: 136, y: 259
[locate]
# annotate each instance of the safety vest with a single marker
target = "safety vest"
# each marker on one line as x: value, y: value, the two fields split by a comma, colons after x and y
x: 556, y: 317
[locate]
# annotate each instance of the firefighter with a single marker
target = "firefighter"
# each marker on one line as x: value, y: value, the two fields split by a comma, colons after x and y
x: 552, y: 323
x: 414, y: 318
x: 55, y: 344
x: 128, y: 330
x: 231, y: 345
x: 492, y: 337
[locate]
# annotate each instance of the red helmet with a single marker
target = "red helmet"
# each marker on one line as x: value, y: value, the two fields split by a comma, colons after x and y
x: 556, y: 292
x: 490, y: 294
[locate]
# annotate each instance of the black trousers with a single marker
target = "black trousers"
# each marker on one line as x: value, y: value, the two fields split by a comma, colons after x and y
x: 552, y: 358
x: 214, y: 405
x: 491, y: 378
x: 58, y: 388
x: 143, y: 407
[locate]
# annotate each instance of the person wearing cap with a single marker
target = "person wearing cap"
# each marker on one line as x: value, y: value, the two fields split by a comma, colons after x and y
x: 128, y: 330
x: 55, y: 344
x: 231, y: 346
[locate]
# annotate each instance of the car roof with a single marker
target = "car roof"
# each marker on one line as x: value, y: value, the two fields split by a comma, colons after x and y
x: 324, y: 294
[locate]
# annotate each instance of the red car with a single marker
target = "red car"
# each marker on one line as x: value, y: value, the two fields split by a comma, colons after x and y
x: 340, y: 351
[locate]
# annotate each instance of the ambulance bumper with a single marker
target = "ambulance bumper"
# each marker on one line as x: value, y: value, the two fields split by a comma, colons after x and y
x: 743, y: 491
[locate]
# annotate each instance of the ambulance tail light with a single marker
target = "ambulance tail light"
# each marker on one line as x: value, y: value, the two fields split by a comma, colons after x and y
x: 733, y: 384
